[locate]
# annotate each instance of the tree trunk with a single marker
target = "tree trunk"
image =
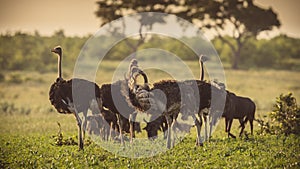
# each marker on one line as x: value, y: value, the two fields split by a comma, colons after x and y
x: 237, y: 55
x: 235, y: 62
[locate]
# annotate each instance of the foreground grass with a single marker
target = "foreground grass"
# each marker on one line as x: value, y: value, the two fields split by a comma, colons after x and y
x: 39, y: 151
x: 27, y: 141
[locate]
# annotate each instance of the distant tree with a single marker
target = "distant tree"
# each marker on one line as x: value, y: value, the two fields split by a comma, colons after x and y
x: 112, y: 10
x: 242, y: 16
x: 59, y: 33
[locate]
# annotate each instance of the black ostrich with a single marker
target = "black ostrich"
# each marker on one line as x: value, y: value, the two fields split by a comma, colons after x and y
x: 74, y: 96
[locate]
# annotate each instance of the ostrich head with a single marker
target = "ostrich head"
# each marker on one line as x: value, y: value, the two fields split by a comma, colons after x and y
x: 138, y: 93
x: 133, y: 72
x: 203, y: 58
x: 152, y: 128
x: 57, y: 50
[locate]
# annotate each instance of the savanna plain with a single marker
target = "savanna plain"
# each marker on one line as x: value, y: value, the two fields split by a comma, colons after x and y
x: 29, y: 130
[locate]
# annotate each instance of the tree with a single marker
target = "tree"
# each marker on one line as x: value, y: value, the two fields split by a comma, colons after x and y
x: 244, y: 18
x: 247, y: 20
x: 111, y: 10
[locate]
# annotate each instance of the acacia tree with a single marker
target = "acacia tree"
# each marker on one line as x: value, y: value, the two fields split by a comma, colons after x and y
x: 244, y: 18
x: 114, y: 9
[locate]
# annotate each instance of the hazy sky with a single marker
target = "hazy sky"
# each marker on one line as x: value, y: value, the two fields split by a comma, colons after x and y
x: 77, y: 17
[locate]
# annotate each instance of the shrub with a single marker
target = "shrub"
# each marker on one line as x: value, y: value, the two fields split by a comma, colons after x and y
x: 286, y: 115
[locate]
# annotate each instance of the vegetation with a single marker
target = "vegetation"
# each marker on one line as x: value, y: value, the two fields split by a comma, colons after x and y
x: 22, y: 51
x: 34, y: 140
x: 244, y: 17
x: 32, y: 52
x: 34, y: 135
x: 39, y: 151
x: 285, y: 117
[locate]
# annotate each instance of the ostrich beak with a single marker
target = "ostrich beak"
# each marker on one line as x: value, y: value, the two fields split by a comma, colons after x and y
x: 53, y: 50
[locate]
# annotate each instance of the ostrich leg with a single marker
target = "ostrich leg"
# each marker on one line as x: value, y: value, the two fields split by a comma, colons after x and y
x: 169, y: 121
x: 120, y: 123
x: 205, y: 125
x: 110, y: 131
x: 132, y: 117
x: 80, y: 138
x: 173, y: 133
x: 198, y: 124
x: 84, y: 123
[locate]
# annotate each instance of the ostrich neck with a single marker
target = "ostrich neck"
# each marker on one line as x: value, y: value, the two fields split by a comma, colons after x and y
x: 59, y: 65
x: 202, y: 71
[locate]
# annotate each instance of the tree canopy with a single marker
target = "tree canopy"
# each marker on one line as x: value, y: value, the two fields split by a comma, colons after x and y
x: 244, y: 18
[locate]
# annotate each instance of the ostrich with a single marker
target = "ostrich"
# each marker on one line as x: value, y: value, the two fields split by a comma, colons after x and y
x: 157, y: 123
x: 115, y: 101
x: 160, y: 123
x: 113, y: 119
x: 169, y: 97
x: 62, y: 97
x: 202, y: 59
x: 95, y: 125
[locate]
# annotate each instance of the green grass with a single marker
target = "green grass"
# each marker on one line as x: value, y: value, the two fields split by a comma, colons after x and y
x: 37, y: 149
x: 27, y: 140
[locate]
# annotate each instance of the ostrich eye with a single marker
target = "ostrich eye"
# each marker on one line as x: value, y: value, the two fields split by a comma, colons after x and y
x: 57, y: 49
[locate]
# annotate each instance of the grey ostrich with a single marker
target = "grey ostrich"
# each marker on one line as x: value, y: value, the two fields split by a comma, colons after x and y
x: 62, y: 97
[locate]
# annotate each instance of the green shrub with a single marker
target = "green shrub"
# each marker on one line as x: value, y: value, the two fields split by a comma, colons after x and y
x: 284, y: 119
x: 286, y: 115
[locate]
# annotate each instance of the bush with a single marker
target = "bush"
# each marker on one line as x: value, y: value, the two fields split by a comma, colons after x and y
x: 286, y: 115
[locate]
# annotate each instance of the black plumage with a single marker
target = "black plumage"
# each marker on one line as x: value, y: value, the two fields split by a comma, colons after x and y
x: 78, y: 91
x: 74, y: 96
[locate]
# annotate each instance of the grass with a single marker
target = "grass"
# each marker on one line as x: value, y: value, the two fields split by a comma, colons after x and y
x: 27, y: 139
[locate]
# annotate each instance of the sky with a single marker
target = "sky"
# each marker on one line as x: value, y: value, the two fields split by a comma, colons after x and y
x: 77, y: 17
